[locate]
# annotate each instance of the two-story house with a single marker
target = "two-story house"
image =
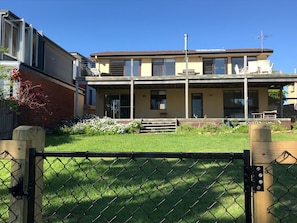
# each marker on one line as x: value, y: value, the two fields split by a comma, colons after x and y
x: 41, y: 61
x: 214, y: 83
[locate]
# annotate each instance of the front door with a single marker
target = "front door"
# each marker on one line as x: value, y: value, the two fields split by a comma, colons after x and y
x: 197, y: 106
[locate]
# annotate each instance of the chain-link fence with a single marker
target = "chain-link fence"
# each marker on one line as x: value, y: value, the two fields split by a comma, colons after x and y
x: 8, y: 166
x: 284, y: 188
x: 143, y: 187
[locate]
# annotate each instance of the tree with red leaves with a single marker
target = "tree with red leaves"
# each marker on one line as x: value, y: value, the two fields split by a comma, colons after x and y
x: 23, y: 96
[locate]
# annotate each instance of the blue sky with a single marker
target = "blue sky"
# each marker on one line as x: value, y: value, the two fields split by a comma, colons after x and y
x: 89, y: 26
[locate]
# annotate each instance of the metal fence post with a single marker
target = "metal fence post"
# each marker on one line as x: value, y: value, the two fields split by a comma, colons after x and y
x: 35, y: 138
x: 247, y: 186
x: 31, y: 186
x: 262, y: 199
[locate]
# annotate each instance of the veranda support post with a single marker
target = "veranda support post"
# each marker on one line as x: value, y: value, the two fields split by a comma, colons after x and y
x: 261, y: 199
x: 35, y: 138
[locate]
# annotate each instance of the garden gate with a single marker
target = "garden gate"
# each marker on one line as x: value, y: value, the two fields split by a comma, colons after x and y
x: 143, y: 187
x: 150, y: 187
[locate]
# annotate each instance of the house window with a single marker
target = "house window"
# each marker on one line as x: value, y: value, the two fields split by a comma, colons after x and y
x: 158, y: 100
x: 215, y: 65
x: 240, y: 62
x: 234, y: 103
x: 37, y: 51
x: 11, y: 38
x: 124, y: 67
x: 7, y: 88
x: 90, y: 97
x: 163, y: 67
x: 128, y: 67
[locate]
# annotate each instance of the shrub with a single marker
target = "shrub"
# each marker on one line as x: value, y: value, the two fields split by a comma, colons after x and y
x: 277, y: 127
x: 294, y: 126
x: 209, y: 128
x: 224, y: 129
x: 17, y: 93
x: 214, y: 128
x: 186, y: 128
x: 93, y: 125
x: 241, y: 129
x: 133, y: 127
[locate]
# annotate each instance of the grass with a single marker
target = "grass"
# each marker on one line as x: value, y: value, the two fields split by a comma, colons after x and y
x: 233, y: 142
x: 236, y: 142
x: 142, y: 190
x: 4, y: 184
x: 284, y: 191
x: 112, y: 185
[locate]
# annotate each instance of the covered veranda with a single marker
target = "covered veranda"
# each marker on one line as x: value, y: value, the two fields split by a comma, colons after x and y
x: 244, y: 82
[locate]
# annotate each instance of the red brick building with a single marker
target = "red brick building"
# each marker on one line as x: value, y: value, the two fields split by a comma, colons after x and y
x: 44, y: 62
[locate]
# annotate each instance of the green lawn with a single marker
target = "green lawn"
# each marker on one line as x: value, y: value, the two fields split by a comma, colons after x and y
x: 125, y: 187
x: 142, y: 190
x: 235, y: 142
x: 150, y: 143
x: 4, y: 185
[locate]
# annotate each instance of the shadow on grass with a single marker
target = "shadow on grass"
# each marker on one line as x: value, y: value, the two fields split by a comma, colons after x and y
x: 56, y: 140
x: 5, y: 183
x: 284, y: 192
x: 142, y: 190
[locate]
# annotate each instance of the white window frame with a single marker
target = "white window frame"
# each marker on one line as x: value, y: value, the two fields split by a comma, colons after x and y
x: 9, y: 39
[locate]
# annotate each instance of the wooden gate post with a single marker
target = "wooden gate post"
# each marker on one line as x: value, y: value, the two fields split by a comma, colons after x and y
x: 35, y: 138
x: 261, y: 199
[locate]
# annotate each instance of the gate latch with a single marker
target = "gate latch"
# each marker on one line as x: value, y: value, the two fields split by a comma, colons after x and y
x: 17, y: 190
x: 258, y: 178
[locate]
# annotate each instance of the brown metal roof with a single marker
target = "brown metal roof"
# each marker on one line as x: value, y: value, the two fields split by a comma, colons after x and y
x: 179, y: 52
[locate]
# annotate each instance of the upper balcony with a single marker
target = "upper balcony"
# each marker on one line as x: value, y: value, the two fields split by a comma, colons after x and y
x: 177, y: 63
x: 174, y: 68
x: 255, y: 67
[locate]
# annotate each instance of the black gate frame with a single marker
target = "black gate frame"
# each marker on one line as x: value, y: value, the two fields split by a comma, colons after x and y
x: 245, y: 156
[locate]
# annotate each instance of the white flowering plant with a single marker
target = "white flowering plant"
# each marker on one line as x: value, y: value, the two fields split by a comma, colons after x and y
x: 93, y: 125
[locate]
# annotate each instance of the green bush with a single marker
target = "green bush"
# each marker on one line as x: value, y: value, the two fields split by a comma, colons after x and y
x: 210, y: 128
x: 224, y: 129
x: 277, y: 127
x: 294, y: 126
x: 133, y: 127
x: 241, y: 129
x: 186, y: 128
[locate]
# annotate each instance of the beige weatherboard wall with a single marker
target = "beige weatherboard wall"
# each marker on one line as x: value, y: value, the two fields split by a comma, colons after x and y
x: 146, y: 67
x: 212, y: 100
x: 194, y: 63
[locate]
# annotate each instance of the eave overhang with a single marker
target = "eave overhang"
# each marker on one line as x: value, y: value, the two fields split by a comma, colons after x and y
x: 168, y: 53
